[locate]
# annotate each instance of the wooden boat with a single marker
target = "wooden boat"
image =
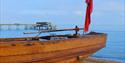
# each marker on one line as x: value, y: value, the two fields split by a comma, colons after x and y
x: 29, y: 50
x: 51, y: 49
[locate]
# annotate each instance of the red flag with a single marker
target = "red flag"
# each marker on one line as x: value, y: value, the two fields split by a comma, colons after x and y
x: 88, y: 14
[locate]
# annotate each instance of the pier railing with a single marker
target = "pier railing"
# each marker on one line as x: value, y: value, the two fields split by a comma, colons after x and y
x: 46, y: 26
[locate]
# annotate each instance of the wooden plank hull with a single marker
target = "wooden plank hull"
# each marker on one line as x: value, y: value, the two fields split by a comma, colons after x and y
x: 50, y: 51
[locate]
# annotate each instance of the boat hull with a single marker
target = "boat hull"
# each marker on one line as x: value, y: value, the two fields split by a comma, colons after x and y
x: 50, y: 51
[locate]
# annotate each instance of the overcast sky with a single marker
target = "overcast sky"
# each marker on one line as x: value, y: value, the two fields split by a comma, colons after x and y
x: 106, y: 12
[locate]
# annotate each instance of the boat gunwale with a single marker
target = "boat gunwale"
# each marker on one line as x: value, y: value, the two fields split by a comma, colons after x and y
x: 48, y: 41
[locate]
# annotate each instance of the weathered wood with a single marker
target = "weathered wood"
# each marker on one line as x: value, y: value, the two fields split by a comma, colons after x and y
x: 50, y: 51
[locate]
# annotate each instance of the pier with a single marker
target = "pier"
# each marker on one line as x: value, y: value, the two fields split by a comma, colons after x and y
x: 36, y: 26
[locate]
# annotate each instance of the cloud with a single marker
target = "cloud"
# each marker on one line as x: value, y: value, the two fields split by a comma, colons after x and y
x: 42, y: 12
x: 107, y: 8
x: 52, y: 12
x: 114, y: 6
x: 79, y: 13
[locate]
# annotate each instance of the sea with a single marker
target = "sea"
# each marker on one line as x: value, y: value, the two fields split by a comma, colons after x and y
x: 115, y: 46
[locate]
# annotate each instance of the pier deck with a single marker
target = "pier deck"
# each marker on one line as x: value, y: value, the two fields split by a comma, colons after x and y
x: 37, y: 26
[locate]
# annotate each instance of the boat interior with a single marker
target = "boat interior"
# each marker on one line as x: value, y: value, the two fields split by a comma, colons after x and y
x: 46, y: 38
x: 43, y: 38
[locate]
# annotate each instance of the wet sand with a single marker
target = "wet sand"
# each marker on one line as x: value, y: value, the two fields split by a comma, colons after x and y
x: 88, y: 60
x: 96, y: 60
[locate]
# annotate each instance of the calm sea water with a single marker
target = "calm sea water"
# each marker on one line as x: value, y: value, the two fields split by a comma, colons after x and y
x: 114, y: 50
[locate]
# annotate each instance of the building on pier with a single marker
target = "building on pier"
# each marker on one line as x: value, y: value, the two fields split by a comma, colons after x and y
x: 36, y: 26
